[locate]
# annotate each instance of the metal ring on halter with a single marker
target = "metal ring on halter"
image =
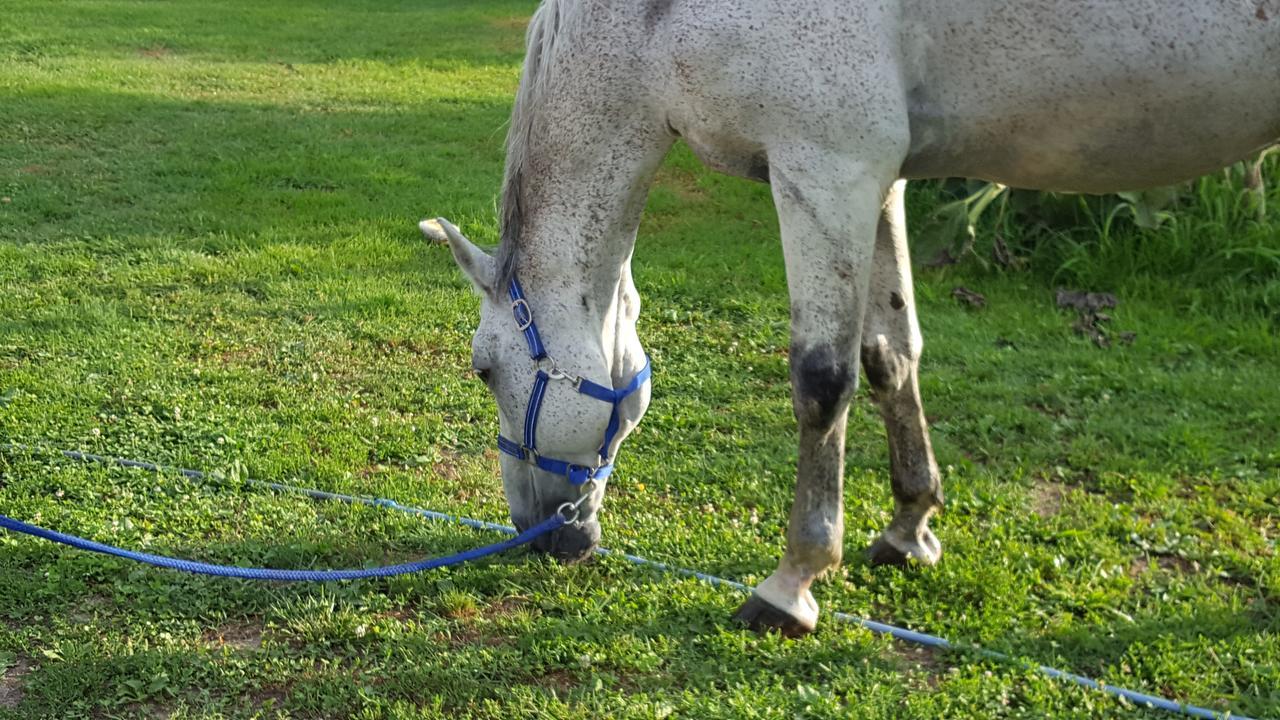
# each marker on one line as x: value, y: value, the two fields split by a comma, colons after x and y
x: 564, y: 511
x: 576, y: 505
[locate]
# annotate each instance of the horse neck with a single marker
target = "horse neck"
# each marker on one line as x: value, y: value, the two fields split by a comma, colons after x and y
x: 575, y: 259
x: 583, y: 193
x: 584, y: 145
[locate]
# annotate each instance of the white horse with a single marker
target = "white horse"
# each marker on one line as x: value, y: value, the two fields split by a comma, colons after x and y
x: 834, y: 103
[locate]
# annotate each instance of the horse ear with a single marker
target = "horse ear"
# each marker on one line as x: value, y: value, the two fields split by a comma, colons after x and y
x: 474, y: 263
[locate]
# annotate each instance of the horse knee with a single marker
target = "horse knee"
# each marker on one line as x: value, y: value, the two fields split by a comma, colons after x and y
x: 823, y: 382
x: 888, y: 365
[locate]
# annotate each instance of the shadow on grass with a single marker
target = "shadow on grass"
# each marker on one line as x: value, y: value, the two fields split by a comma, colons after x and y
x: 219, y: 176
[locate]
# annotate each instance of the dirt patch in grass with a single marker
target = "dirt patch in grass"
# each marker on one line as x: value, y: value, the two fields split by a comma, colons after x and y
x: 561, y: 682
x: 446, y: 468
x: 1173, y: 563
x: 241, y: 355
x: 237, y: 636
x: 1167, y: 563
x: 507, y: 606
x: 511, y: 22
x: 464, y: 635
x: 1047, y: 497
x: 926, y: 662
x: 273, y: 696
x: 88, y: 608
x: 1047, y: 410
x: 11, y: 683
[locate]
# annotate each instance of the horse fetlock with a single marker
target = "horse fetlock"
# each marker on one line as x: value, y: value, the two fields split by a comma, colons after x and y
x: 781, y: 603
x: 908, y: 538
x: 815, y: 545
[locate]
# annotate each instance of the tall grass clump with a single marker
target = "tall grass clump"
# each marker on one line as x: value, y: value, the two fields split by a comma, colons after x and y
x: 1213, y: 242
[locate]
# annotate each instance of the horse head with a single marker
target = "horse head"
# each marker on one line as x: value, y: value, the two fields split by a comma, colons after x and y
x: 571, y: 382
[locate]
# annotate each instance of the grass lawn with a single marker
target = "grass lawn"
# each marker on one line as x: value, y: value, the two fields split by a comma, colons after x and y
x: 208, y: 257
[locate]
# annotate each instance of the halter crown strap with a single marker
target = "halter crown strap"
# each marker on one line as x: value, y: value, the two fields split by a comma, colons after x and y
x: 576, y: 474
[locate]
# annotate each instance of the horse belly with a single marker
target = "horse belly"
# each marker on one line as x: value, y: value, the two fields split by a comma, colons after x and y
x: 1095, y: 155
x: 1094, y: 96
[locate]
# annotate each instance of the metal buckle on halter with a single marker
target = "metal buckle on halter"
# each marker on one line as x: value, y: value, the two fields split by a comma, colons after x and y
x: 530, y: 455
x: 528, y: 314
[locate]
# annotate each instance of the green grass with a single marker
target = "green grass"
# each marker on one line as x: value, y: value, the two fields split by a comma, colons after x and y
x: 208, y: 257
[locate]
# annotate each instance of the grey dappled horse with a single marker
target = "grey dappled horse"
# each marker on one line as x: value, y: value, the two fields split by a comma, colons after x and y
x: 834, y: 103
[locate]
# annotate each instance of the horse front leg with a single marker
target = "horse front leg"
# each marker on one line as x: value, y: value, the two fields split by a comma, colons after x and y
x: 827, y: 209
x: 891, y: 346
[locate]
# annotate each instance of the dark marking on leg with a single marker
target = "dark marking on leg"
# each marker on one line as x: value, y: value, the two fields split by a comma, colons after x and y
x: 823, y: 384
x: 585, y: 304
x: 896, y: 302
x: 879, y: 374
x: 912, y: 469
x: 792, y: 191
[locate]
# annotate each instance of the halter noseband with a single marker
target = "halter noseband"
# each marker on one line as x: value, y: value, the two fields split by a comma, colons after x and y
x: 548, y: 370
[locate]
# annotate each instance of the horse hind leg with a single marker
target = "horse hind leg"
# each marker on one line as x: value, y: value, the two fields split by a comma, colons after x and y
x: 827, y: 209
x: 891, y: 346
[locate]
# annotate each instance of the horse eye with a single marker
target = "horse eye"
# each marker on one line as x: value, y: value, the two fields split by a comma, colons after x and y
x: 483, y: 374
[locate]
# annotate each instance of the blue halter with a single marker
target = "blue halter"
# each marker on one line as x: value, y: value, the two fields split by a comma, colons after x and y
x: 527, y: 451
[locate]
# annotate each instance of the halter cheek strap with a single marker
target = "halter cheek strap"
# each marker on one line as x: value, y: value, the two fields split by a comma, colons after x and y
x: 527, y: 451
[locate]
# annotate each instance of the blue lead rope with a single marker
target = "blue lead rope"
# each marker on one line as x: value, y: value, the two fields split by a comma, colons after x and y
x: 903, y: 634
x: 551, y: 524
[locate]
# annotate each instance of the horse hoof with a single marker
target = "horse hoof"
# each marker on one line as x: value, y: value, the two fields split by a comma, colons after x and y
x: 760, y: 616
x: 887, y: 551
x: 433, y: 231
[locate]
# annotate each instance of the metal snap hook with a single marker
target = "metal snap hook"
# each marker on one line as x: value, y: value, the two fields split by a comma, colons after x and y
x: 569, y: 512
x: 575, y: 507
x: 548, y: 365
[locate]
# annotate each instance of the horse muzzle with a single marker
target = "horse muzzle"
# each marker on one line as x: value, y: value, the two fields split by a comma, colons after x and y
x: 570, y: 544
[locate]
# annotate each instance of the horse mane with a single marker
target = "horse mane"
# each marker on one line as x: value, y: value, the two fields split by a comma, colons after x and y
x: 540, y: 42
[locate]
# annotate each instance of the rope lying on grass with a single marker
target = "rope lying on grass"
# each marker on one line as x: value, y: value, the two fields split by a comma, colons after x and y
x: 911, y: 636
